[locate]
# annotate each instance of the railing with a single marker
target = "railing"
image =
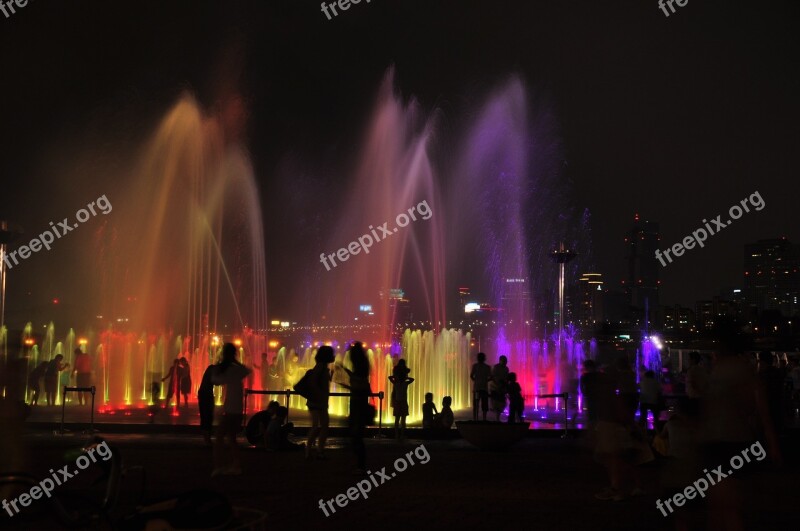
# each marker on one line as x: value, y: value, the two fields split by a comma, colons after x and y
x: 287, y: 393
x: 565, y: 396
x: 91, y: 389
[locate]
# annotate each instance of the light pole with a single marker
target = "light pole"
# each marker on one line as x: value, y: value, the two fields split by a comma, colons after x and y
x: 561, y: 256
x: 6, y: 237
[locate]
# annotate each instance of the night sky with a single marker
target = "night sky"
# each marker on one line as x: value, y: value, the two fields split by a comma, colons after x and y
x: 675, y: 118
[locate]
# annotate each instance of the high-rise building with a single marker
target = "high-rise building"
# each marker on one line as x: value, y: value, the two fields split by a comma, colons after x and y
x: 771, y: 277
x: 678, y: 318
x: 708, y: 312
x: 590, y: 304
x: 642, y: 283
x: 463, y: 298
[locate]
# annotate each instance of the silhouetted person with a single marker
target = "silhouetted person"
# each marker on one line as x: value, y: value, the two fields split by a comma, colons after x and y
x: 173, y: 388
x: 429, y: 412
x: 683, y: 464
x: 317, y: 403
x: 626, y: 385
x: 186, y: 381
x: 498, y: 386
x: 155, y: 398
x: 359, y: 401
x: 83, y: 374
x: 33, y: 381
x: 54, y: 368
x: 278, y: 432
x: 400, y: 382
x: 480, y: 374
x: 205, y: 403
x: 589, y: 391
x: 445, y: 418
x: 516, y: 404
x: 616, y: 447
x: 231, y: 374
x: 696, y: 377
x: 736, y: 416
x: 256, y: 430
x: 649, y: 399
x: 772, y: 379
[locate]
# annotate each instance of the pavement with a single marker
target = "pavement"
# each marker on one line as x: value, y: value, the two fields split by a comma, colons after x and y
x: 540, y: 483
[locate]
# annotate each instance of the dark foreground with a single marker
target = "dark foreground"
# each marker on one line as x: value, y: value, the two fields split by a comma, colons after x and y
x: 542, y: 483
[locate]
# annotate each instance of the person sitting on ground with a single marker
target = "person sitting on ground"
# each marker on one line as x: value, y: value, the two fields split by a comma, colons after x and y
x: 445, y: 418
x: 256, y: 430
x: 278, y: 432
x: 429, y: 412
x: 516, y: 403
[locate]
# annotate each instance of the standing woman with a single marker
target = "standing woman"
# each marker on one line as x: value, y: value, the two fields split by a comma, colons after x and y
x: 205, y: 403
x: 498, y: 386
x: 231, y: 374
x: 359, y: 402
x: 400, y: 382
x: 186, y: 382
x: 317, y: 403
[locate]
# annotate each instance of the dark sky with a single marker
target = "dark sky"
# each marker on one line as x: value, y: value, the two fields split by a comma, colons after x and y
x: 674, y: 118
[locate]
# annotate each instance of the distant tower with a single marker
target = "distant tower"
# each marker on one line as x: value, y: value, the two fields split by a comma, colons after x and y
x: 561, y: 256
x: 641, y: 286
x: 772, y: 276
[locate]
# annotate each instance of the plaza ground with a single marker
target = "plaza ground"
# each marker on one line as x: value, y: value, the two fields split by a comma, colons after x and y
x: 544, y: 482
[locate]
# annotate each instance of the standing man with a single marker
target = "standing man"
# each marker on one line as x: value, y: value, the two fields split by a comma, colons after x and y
x: 83, y: 373
x: 54, y: 368
x: 498, y: 386
x: 480, y: 385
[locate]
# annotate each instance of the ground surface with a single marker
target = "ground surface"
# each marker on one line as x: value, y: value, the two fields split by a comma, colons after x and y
x: 542, y: 483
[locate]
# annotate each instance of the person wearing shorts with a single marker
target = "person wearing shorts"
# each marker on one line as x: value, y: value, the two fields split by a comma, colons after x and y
x: 231, y: 374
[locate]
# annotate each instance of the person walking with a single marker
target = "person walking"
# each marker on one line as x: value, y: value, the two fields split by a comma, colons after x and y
x: 317, y: 403
x: 231, y: 374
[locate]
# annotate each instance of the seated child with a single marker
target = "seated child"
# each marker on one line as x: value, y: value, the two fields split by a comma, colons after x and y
x: 429, y: 412
x: 278, y: 432
x: 445, y: 418
x: 515, y: 401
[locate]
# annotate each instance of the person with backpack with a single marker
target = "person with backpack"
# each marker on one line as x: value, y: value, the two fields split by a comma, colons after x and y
x: 315, y: 387
x: 231, y: 374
